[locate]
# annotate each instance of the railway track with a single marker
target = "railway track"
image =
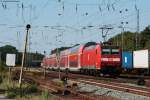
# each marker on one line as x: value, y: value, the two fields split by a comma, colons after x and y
x: 116, y: 85
x: 129, y: 79
x: 54, y: 89
x: 119, y: 87
x: 96, y: 81
x: 41, y: 70
x: 122, y: 80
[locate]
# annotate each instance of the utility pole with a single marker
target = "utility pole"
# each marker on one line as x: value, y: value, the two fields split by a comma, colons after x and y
x: 117, y: 41
x: 23, y: 54
x: 58, y: 59
x: 104, y: 35
x: 123, y: 23
x: 44, y: 66
x: 122, y: 36
x: 58, y: 62
x: 138, y: 27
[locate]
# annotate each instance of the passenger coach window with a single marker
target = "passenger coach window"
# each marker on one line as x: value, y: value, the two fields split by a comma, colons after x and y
x: 105, y: 51
x: 90, y: 47
x: 115, y: 51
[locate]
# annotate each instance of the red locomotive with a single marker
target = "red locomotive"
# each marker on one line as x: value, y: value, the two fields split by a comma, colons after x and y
x: 91, y: 58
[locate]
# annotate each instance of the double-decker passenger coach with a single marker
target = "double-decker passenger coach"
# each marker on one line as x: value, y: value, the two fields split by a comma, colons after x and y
x: 90, y: 58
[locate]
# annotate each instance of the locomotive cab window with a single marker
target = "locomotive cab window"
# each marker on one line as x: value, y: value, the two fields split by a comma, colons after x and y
x: 105, y: 51
x: 115, y: 51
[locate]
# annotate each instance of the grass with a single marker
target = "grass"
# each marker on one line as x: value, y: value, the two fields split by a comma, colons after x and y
x: 12, y: 90
x: 29, y: 91
x: 45, y: 95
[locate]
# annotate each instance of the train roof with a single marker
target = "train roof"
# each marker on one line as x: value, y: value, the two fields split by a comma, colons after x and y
x: 64, y: 52
x: 90, y: 43
x: 75, y: 49
x: 51, y: 55
x: 79, y: 48
x: 110, y: 46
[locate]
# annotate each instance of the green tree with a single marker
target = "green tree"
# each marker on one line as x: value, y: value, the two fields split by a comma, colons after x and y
x: 128, y: 40
x: 7, y: 49
x: 145, y: 37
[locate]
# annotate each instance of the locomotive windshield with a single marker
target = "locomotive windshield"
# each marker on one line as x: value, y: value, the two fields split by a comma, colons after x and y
x: 110, y: 50
x: 105, y: 51
x: 115, y: 51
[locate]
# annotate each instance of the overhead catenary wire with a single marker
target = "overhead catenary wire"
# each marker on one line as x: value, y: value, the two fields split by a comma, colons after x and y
x: 84, y: 20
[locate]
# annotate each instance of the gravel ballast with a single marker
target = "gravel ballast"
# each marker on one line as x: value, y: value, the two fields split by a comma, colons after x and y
x: 110, y: 92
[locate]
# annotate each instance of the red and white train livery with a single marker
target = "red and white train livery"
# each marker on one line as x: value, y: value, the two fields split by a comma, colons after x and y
x: 90, y: 57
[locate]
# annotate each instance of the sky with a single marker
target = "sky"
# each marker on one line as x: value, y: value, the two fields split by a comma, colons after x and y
x: 56, y: 23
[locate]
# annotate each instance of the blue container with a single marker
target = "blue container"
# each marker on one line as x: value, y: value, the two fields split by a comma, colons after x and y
x: 127, y: 60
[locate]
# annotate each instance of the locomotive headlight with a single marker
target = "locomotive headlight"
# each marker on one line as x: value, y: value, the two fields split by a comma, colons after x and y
x: 104, y: 59
x: 116, y: 59
x: 110, y: 59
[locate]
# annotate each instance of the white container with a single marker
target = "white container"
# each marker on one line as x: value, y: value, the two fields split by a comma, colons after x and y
x: 141, y: 59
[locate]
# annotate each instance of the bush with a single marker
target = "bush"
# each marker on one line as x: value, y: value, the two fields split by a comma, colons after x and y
x: 2, y: 66
x: 45, y: 95
x: 13, y: 91
x: 1, y: 79
x: 11, y: 95
x: 30, y: 89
